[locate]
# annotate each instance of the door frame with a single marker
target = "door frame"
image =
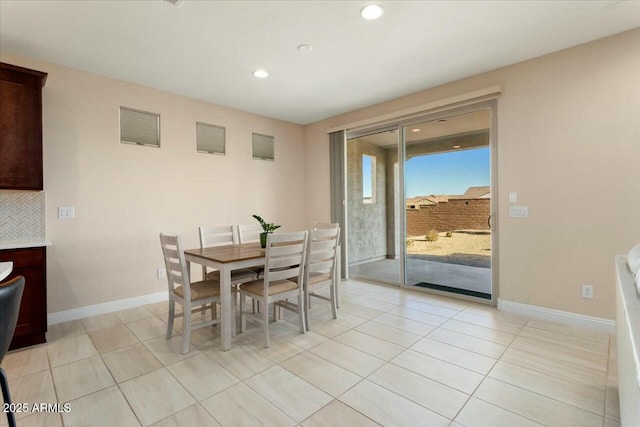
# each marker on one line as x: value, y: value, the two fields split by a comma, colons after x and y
x: 401, y: 126
x: 493, y: 145
x: 352, y: 135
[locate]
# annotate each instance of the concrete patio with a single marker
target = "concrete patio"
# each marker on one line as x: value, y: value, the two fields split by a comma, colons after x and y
x: 477, y: 279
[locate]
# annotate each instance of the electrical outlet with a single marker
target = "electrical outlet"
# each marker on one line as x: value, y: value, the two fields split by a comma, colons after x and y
x: 66, y: 212
x: 518, y: 212
x: 162, y: 273
x: 587, y: 291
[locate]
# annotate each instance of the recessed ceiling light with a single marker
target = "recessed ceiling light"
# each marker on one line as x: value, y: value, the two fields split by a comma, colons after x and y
x: 415, y: 130
x: 456, y: 146
x: 371, y: 12
x: 305, y: 47
x: 261, y: 73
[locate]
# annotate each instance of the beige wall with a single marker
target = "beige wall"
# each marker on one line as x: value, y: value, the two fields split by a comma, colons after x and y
x: 124, y: 195
x: 568, y: 143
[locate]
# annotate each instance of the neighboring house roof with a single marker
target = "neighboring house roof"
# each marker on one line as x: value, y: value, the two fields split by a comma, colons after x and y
x: 471, y: 193
x: 421, y: 201
x: 477, y: 193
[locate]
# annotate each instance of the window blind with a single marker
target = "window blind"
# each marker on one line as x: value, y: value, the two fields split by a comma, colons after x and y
x: 263, y: 147
x: 210, y: 138
x: 139, y: 127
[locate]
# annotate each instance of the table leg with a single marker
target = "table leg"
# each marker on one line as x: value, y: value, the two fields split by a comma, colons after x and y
x: 226, y: 309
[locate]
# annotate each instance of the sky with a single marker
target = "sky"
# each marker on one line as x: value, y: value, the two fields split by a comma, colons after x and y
x: 366, y: 176
x: 447, y: 173
x: 444, y: 173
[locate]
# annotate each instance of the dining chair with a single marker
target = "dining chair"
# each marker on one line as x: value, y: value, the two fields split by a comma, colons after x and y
x: 221, y: 236
x: 329, y: 225
x: 284, y: 260
x: 320, y: 270
x: 10, y: 298
x: 325, y: 225
x: 184, y: 292
x: 250, y: 233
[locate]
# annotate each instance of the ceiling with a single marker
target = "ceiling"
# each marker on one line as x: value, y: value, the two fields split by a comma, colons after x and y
x: 208, y: 49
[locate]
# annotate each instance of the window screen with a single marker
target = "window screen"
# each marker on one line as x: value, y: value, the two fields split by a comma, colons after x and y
x: 139, y: 127
x: 210, y: 138
x: 263, y: 147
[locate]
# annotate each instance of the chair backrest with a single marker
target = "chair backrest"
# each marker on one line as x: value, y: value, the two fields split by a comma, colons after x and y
x: 249, y: 233
x: 323, y: 250
x: 285, y: 256
x: 325, y: 225
x: 217, y: 236
x: 177, y: 274
x: 10, y: 297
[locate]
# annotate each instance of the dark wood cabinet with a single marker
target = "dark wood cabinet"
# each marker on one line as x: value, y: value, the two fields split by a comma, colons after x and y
x: 21, y: 127
x: 32, y: 320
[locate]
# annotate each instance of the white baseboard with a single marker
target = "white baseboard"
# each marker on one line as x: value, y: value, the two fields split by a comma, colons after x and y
x: 558, y: 316
x: 107, y: 307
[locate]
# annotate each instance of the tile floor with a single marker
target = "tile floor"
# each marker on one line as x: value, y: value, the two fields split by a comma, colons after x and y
x: 394, y: 358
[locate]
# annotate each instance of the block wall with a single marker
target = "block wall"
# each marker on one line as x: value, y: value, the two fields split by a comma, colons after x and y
x: 456, y: 214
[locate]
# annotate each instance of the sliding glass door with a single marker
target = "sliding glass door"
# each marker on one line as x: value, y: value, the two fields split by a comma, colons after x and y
x: 425, y: 221
x: 373, y: 212
x: 447, y: 167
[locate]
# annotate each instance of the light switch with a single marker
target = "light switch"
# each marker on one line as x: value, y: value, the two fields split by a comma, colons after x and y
x: 66, y: 212
x: 518, y: 212
x: 513, y: 197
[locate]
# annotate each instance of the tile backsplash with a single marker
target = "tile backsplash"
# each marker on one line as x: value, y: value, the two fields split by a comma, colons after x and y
x: 22, y: 216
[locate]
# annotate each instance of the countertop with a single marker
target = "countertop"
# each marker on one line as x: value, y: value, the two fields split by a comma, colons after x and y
x: 20, y: 244
x: 5, y: 269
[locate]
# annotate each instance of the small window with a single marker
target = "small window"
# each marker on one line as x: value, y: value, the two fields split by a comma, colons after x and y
x: 263, y: 147
x: 368, y: 179
x: 210, y: 138
x: 139, y: 127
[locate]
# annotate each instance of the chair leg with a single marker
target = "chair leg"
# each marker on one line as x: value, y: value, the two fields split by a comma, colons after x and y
x: 305, y: 298
x: 172, y: 313
x: 4, y: 383
x: 234, y: 318
x: 334, y: 302
x: 265, y: 319
x: 336, y: 280
x: 243, y: 319
x: 302, y: 313
x: 186, y: 340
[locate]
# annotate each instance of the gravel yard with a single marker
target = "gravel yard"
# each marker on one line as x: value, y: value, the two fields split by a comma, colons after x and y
x: 466, y: 247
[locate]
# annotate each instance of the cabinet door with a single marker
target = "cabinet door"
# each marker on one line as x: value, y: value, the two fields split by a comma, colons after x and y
x: 20, y: 130
x: 32, y: 320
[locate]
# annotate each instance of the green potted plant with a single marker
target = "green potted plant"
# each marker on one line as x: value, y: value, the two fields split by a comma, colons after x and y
x: 267, y: 227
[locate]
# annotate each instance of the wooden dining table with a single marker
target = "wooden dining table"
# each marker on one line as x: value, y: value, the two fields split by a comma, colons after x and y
x: 226, y: 259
